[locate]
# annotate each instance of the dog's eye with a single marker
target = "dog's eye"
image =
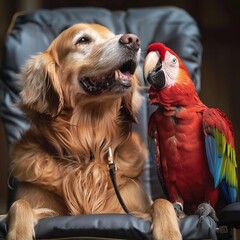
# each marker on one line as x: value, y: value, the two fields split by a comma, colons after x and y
x: 83, y: 40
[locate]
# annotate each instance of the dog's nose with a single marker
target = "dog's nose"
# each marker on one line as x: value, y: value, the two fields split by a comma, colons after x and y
x: 131, y: 41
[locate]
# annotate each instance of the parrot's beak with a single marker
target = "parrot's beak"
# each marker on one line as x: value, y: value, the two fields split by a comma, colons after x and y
x: 153, y: 71
x: 150, y: 62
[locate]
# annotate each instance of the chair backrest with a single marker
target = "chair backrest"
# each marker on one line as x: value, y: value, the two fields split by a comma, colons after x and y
x: 33, y: 32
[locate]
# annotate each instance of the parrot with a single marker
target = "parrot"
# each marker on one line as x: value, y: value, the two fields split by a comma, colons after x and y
x: 191, y: 144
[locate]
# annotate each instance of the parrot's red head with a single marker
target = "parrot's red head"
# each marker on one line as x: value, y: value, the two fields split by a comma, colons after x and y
x: 167, y: 74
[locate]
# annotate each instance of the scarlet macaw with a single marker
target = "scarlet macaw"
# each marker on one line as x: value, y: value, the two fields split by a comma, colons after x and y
x: 191, y: 144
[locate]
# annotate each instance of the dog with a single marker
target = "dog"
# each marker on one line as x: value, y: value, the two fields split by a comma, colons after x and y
x: 81, y: 96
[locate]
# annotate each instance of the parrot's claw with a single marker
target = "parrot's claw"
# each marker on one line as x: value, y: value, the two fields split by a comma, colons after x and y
x: 204, y: 210
x: 179, y: 210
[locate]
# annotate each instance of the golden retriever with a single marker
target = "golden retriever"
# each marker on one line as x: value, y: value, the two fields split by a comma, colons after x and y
x: 81, y: 96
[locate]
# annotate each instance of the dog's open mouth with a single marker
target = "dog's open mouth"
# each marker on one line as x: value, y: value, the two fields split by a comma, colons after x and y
x: 121, y: 77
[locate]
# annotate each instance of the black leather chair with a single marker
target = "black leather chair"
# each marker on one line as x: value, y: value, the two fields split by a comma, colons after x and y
x: 33, y: 32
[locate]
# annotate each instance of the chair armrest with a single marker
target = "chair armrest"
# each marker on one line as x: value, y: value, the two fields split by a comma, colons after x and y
x: 230, y: 215
x: 94, y: 226
x: 113, y: 226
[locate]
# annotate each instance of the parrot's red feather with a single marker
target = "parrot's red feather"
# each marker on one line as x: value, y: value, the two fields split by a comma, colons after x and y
x: 214, y: 118
x: 177, y: 95
x: 161, y: 48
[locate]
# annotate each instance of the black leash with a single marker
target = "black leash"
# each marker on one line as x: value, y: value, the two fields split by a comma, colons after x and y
x: 112, y: 169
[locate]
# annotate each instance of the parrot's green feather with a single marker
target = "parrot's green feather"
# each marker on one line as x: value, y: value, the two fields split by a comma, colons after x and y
x: 223, y: 163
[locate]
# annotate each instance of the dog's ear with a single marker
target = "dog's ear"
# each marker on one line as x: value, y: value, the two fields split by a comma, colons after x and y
x: 41, y: 90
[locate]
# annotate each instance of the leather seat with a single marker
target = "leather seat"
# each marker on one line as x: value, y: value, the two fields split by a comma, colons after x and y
x: 32, y: 33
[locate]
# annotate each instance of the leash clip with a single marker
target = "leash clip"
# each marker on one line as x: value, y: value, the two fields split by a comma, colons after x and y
x: 111, y: 164
x: 112, y: 167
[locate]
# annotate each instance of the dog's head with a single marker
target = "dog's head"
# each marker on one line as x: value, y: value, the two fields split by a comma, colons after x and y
x: 84, y: 60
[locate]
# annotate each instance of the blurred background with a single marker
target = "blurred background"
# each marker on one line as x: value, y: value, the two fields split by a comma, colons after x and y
x: 219, y: 23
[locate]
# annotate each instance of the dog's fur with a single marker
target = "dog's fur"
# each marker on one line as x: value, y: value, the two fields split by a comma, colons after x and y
x: 80, y: 104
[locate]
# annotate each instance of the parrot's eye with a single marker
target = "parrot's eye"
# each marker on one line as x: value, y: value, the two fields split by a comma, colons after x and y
x: 174, y: 60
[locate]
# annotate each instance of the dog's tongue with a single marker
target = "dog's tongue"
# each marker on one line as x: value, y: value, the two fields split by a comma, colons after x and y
x: 125, y: 76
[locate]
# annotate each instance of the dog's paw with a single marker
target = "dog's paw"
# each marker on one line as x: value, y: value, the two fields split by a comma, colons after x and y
x: 170, y: 234
x: 165, y: 222
x: 21, y: 221
x: 20, y: 234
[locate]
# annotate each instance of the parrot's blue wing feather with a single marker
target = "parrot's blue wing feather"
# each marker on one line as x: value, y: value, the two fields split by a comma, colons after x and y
x: 219, y: 144
x: 229, y: 193
x: 214, y: 160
